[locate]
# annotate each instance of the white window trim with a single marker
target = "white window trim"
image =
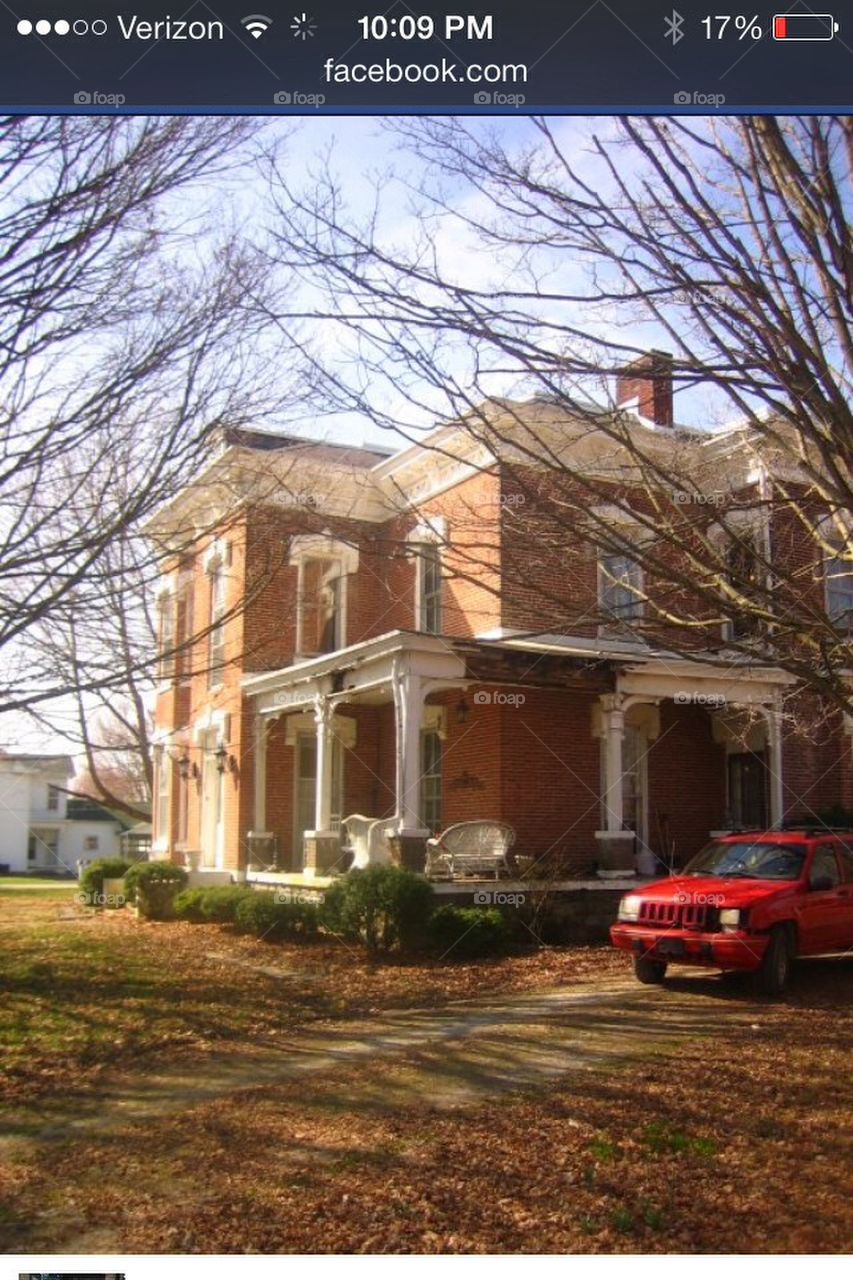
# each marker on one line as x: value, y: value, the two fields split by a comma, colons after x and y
x: 311, y: 546
x: 431, y: 533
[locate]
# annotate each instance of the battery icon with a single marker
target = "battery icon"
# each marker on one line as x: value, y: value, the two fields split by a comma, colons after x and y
x: 804, y: 26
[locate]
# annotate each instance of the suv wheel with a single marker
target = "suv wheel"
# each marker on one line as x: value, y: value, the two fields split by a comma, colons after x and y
x: 772, y: 978
x: 649, y: 971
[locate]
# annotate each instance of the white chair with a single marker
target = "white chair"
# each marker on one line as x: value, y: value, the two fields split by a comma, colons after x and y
x: 472, y: 849
x: 366, y: 838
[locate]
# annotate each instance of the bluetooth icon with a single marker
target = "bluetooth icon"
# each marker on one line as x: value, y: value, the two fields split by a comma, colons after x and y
x: 674, y: 26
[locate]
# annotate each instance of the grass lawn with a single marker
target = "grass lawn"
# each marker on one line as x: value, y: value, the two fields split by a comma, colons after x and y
x: 735, y: 1139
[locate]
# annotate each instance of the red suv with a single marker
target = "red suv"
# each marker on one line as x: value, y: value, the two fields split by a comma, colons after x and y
x: 749, y: 902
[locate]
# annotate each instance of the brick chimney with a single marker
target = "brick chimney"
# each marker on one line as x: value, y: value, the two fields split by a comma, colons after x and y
x: 646, y: 384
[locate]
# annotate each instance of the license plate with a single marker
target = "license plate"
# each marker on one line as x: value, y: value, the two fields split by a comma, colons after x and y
x: 670, y: 946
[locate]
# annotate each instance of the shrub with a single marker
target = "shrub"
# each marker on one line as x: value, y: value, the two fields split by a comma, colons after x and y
x: 262, y: 914
x: 187, y: 905
x: 466, y: 932
x: 154, y: 887
x: 92, y: 879
x: 145, y: 874
x: 386, y: 908
x: 219, y: 905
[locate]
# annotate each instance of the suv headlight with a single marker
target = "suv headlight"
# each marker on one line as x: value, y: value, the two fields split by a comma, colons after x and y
x: 629, y: 908
x: 732, y: 918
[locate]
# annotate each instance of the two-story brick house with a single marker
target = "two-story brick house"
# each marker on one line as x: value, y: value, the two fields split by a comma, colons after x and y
x: 401, y: 635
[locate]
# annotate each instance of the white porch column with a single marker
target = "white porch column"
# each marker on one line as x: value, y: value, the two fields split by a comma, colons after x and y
x: 260, y: 743
x: 323, y: 714
x: 774, y: 743
x: 614, y: 731
x: 408, y: 711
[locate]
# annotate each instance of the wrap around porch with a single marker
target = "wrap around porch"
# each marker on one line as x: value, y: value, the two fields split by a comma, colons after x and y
x: 603, y: 764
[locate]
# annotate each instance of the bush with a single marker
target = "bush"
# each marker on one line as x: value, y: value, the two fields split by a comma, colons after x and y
x: 219, y: 905
x: 92, y: 879
x: 142, y: 875
x: 187, y: 905
x: 466, y: 932
x: 262, y: 914
x: 386, y: 908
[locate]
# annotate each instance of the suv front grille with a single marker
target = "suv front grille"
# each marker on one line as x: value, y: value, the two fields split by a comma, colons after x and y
x: 678, y: 915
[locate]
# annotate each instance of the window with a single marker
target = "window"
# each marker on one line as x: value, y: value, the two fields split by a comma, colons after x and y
x: 429, y: 588
x: 838, y: 574
x: 743, y: 570
x: 53, y: 799
x: 183, y: 634
x: 321, y: 613
x: 620, y: 588
x: 824, y: 865
x: 216, y: 639
x: 166, y: 638
x: 164, y: 769
x: 431, y: 781
x: 91, y: 844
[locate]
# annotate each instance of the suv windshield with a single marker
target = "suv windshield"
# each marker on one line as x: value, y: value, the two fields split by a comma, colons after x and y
x: 762, y: 860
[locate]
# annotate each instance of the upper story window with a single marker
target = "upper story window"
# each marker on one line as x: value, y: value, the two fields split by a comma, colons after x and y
x: 216, y: 624
x: 620, y: 588
x: 743, y: 568
x: 53, y: 799
x: 426, y: 541
x: 838, y: 576
x: 166, y: 636
x: 429, y: 585
x: 323, y: 566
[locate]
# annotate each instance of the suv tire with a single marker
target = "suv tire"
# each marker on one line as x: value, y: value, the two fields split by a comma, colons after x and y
x: 649, y: 972
x: 772, y: 977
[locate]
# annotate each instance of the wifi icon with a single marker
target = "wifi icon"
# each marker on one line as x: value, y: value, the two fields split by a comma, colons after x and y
x: 256, y: 24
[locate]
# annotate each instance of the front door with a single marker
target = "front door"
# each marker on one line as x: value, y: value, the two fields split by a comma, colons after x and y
x: 748, y: 789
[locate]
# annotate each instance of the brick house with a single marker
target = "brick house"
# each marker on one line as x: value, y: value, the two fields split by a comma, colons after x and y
x: 397, y: 634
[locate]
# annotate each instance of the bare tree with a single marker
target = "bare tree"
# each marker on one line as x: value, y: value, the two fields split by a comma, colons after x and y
x: 126, y: 342
x: 532, y: 271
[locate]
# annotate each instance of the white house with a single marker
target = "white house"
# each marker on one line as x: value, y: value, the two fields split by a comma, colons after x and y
x: 33, y: 813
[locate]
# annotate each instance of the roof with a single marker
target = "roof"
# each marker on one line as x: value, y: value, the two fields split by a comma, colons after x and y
x: 82, y: 809
x: 36, y: 761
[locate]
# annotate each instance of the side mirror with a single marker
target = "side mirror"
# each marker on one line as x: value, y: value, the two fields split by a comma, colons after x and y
x: 821, y: 883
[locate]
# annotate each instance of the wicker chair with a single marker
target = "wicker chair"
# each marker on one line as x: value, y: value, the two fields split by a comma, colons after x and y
x: 367, y: 840
x: 472, y: 849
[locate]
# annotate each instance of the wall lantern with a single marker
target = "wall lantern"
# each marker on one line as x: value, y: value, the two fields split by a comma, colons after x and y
x: 221, y: 755
x: 184, y: 767
x: 462, y: 711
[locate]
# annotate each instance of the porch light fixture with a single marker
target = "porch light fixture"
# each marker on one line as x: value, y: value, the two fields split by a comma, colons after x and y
x: 462, y: 711
x: 221, y: 754
x: 184, y: 767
